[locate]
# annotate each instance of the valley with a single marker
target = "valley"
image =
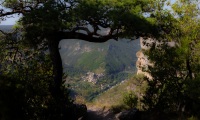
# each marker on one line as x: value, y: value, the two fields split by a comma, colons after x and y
x: 92, y: 68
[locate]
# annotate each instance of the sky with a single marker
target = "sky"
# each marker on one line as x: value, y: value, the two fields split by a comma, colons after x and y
x: 12, y: 21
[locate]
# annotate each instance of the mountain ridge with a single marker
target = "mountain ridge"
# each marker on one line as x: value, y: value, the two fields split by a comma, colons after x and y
x: 112, y: 56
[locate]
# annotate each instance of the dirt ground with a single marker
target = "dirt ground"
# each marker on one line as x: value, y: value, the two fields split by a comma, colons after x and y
x: 100, y: 114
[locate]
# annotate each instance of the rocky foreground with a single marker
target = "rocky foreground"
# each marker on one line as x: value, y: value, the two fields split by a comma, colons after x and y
x: 107, y: 114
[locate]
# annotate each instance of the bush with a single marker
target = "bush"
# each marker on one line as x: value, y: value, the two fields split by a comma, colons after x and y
x: 26, y: 91
x: 130, y: 100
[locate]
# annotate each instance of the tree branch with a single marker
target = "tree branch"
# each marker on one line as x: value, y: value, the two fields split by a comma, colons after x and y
x: 3, y: 32
x: 82, y: 28
x: 85, y: 37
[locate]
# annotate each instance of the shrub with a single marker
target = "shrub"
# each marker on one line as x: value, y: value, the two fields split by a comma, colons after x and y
x: 130, y: 100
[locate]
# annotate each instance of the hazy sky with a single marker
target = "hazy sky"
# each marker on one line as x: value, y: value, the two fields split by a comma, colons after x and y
x: 11, y: 21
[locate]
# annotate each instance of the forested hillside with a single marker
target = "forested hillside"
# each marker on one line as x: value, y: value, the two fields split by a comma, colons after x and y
x: 109, y: 57
x: 93, y: 68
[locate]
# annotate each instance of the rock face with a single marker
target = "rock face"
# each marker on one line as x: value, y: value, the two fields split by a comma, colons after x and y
x: 142, y: 61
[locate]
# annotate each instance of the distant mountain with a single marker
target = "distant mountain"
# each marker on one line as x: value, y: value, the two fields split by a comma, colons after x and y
x: 93, y: 68
x: 110, y: 57
x: 6, y: 28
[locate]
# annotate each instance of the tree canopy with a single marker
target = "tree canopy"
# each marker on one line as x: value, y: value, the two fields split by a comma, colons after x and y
x: 44, y: 23
x: 175, y: 69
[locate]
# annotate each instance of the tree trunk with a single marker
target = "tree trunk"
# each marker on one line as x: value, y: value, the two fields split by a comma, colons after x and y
x: 57, y: 66
x: 189, y: 68
x: 57, y: 92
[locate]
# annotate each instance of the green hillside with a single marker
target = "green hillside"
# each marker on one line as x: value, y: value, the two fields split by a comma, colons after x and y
x: 110, y: 57
x: 93, y: 68
x: 114, y: 96
x: 91, y: 61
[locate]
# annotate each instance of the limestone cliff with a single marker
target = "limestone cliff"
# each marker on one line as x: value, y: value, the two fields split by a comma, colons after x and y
x: 142, y: 61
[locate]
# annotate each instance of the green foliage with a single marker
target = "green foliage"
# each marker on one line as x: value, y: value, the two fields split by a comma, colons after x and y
x: 127, y: 13
x: 166, y: 64
x: 192, y: 96
x: 91, y: 61
x: 49, y: 18
x: 87, y: 90
x: 26, y: 83
x: 130, y: 100
x: 48, y: 22
x: 114, y: 97
x: 173, y: 68
x: 11, y: 3
x: 90, y: 91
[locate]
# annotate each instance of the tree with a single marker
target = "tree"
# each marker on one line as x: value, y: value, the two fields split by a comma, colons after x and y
x: 47, y: 22
x: 25, y: 83
x: 174, y: 67
x: 130, y: 100
x: 44, y: 23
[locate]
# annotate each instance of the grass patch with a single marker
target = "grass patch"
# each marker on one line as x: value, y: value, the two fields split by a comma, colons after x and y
x: 113, y: 98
